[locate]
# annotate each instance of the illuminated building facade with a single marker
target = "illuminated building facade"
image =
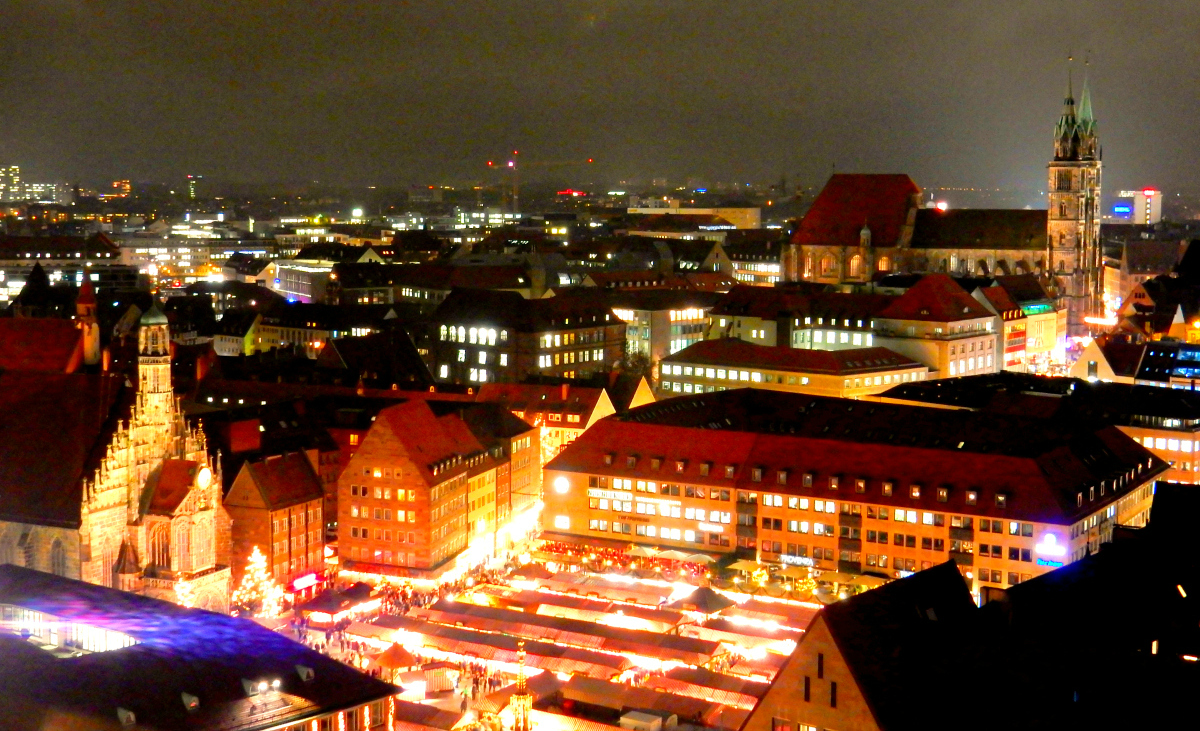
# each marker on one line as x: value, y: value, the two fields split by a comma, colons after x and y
x: 662, y: 321
x: 482, y: 336
x: 849, y: 486
x: 718, y: 365
x: 127, y: 495
x: 425, y: 496
x: 276, y: 504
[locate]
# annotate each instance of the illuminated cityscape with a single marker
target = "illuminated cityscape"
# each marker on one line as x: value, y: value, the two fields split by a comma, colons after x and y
x: 401, y: 368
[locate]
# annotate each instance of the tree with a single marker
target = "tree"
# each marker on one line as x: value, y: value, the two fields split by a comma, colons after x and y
x: 258, y: 594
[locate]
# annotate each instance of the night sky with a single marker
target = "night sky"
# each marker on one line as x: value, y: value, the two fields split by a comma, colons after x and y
x: 386, y: 93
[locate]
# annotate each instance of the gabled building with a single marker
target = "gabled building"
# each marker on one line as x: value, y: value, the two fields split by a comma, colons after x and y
x: 937, y: 323
x: 871, y: 661
x: 108, y: 484
x: 276, y: 506
x: 429, y: 493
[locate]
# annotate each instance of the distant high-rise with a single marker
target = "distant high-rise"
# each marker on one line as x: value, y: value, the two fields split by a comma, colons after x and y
x: 1073, y: 221
x: 193, y: 183
x: 10, y: 184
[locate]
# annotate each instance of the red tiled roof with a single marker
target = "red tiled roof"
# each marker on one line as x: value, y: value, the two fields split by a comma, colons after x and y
x: 882, y: 202
x: 40, y: 345
x: 534, y: 398
x: 287, y: 480
x: 427, y: 439
x: 171, y: 485
x: 998, y: 298
x: 57, y: 429
x: 1039, y: 487
x: 935, y: 298
x: 741, y: 354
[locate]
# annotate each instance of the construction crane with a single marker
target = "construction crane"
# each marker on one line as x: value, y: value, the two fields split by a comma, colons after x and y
x: 511, y: 165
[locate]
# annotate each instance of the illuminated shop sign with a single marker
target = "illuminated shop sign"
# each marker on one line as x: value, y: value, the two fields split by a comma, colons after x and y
x: 1048, y: 562
x: 791, y: 560
x: 1049, y: 546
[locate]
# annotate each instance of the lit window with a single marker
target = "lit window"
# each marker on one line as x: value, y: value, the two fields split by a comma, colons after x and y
x: 562, y: 522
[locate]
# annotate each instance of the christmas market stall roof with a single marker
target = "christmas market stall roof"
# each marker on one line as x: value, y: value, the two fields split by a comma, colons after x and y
x: 162, y: 653
x: 579, y: 633
x: 620, y: 698
x: 498, y: 647
x: 703, y: 600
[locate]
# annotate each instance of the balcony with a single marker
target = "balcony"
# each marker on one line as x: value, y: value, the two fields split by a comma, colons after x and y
x: 747, y: 531
x: 962, y: 534
x: 850, y: 567
x: 849, y: 544
x: 962, y: 559
x: 854, y: 521
x: 747, y: 508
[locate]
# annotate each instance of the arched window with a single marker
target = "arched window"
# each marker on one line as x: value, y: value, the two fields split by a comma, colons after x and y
x: 856, y: 266
x: 28, y: 554
x: 160, y: 547
x: 808, y: 266
x: 58, y: 559
x: 827, y: 265
x: 884, y: 264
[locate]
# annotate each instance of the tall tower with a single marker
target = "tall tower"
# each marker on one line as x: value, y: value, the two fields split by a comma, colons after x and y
x: 1073, y: 225
x: 155, y: 396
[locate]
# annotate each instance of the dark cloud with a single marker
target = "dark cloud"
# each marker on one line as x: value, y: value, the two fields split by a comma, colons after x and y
x: 954, y: 93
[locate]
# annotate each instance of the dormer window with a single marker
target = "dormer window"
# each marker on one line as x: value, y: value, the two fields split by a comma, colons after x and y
x: 914, y: 491
x: 1092, y: 492
x: 807, y: 480
x: 972, y: 497
x: 781, y: 477
x: 631, y: 461
x: 887, y: 489
x: 1001, y: 500
x: 756, y: 474
x: 860, y: 486
x: 655, y: 463
x: 729, y: 471
x: 943, y: 494
x: 1079, y: 499
x: 608, y: 458
x: 833, y: 482
x: 680, y: 465
x: 705, y: 467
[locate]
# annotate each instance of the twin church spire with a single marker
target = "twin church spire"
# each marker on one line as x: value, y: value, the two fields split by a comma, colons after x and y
x: 1076, y: 136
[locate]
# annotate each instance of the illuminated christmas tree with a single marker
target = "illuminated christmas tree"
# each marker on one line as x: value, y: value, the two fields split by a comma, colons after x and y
x: 258, y: 594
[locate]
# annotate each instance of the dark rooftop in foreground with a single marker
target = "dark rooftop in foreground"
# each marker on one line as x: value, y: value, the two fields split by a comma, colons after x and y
x: 177, y: 653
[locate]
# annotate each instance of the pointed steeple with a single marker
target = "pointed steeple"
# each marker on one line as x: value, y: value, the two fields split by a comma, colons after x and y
x: 1087, y: 121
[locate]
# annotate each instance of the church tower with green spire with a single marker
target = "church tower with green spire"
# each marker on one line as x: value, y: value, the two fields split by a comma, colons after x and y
x: 1073, y: 255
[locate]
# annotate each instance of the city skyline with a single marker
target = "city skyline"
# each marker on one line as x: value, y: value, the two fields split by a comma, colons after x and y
x: 364, y: 95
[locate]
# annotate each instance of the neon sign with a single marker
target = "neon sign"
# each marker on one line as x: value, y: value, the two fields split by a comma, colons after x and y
x: 796, y: 560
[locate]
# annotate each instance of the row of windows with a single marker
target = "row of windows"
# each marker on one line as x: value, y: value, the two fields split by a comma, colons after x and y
x: 757, y: 474
x: 383, y: 493
x: 474, y: 336
x: 383, y: 534
x: 357, y: 511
